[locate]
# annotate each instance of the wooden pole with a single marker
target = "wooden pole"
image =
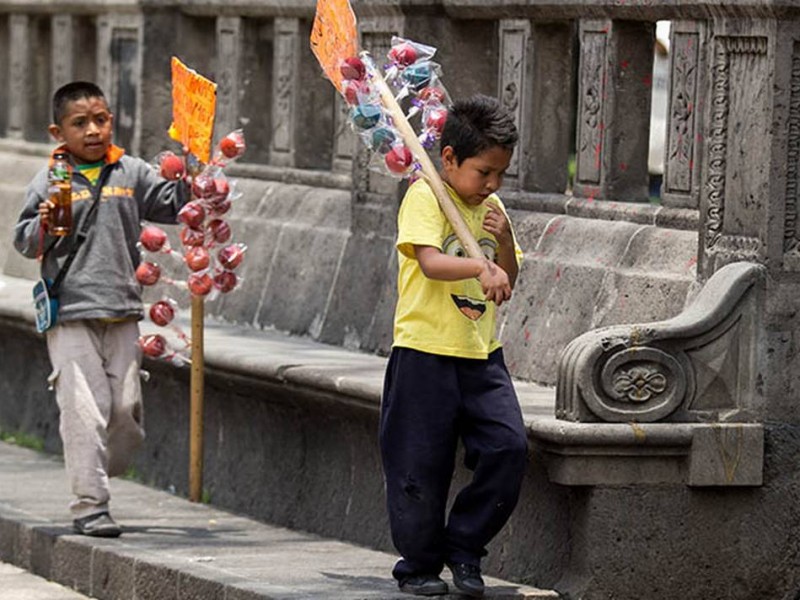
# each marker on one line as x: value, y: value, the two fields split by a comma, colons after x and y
x: 196, y: 403
x: 428, y: 169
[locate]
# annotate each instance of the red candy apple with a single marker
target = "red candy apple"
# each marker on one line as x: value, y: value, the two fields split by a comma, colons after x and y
x: 232, y: 145
x: 432, y: 94
x: 172, y: 166
x: 192, y: 214
x: 153, y: 345
x: 152, y: 238
x: 231, y: 256
x: 221, y: 190
x: 353, y: 68
x: 225, y: 281
x: 192, y: 237
x: 203, y: 186
x: 220, y: 231
x: 399, y: 159
x: 162, y: 313
x: 200, y: 283
x: 403, y: 54
x: 197, y: 258
x: 148, y: 273
x: 435, y: 120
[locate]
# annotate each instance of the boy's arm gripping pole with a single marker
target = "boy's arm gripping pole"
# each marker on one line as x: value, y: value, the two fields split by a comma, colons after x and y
x: 428, y: 169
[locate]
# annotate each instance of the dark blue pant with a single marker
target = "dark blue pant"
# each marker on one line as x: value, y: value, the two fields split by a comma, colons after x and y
x: 429, y: 402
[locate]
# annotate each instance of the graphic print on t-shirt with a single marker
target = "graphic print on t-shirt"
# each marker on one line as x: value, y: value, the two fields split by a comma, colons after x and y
x: 470, y: 301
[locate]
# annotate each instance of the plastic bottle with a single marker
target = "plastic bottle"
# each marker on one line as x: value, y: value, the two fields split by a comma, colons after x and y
x: 59, y: 180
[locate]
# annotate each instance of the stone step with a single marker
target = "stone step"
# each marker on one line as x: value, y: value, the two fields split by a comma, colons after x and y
x: 175, y: 549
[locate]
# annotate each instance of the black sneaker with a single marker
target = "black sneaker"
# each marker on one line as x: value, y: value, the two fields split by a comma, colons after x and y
x: 423, y: 585
x: 97, y: 525
x: 467, y: 578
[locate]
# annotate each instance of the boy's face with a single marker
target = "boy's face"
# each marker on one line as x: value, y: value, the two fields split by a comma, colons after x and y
x: 477, y: 176
x: 85, y: 129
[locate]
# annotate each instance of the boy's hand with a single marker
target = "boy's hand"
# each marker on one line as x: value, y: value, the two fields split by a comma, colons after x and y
x: 494, y: 282
x: 44, y: 212
x: 497, y: 224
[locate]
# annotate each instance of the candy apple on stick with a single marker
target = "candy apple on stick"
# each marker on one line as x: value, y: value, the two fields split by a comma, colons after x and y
x: 334, y: 41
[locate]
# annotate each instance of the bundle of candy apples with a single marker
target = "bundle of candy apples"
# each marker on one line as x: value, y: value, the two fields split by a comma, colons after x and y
x: 416, y: 80
x: 205, y: 236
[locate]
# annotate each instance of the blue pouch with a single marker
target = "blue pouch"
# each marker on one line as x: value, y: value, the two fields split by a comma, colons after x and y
x: 46, y: 305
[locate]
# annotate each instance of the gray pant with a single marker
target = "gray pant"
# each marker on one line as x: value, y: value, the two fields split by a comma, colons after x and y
x: 98, y: 390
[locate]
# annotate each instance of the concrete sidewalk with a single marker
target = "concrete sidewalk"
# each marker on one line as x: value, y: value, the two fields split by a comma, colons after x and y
x: 174, y: 549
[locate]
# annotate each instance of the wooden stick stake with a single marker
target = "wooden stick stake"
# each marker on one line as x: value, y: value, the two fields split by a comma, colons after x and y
x: 196, y: 403
x: 428, y: 169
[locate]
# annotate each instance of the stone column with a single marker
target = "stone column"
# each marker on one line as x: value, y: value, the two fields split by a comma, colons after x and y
x: 19, y: 58
x: 63, y: 27
x: 687, y: 95
x: 302, y: 108
x: 229, y: 57
x: 536, y: 83
x: 119, y: 74
x: 614, y: 109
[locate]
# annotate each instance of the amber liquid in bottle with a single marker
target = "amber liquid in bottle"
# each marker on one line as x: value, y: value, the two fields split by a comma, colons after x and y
x: 60, y: 189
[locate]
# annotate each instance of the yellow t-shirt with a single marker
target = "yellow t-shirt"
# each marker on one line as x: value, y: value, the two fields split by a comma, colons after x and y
x: 452, y: 318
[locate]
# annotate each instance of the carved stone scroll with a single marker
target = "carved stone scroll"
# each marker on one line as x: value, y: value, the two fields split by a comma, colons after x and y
x: 691, y: 368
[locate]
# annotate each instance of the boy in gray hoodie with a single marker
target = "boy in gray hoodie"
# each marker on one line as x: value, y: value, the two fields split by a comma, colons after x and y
x: 93, y: 346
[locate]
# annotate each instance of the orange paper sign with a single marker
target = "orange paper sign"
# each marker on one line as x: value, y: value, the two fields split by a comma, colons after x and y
x: 334, y: 37
x: 194, y: 101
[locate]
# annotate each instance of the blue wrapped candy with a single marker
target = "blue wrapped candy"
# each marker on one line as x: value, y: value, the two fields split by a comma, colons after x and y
x: 418, y: 76
x: 382, y: 140
x: 365, y: 116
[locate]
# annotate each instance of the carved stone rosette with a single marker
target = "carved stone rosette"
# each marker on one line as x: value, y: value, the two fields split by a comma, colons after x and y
x: 691, y: 368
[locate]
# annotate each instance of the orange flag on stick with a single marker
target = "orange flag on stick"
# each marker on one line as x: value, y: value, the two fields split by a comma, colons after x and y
x: 194, y: 102
x: 334, y: 37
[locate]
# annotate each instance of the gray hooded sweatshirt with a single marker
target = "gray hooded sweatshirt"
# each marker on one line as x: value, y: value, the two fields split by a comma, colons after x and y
x: 101, y: 281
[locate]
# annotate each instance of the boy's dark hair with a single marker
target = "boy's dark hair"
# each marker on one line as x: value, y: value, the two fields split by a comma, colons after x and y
x: 75, y: 90
x: 476, y: 124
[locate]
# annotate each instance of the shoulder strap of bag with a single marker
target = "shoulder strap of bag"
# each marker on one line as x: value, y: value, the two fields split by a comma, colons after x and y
x: 80, y: 237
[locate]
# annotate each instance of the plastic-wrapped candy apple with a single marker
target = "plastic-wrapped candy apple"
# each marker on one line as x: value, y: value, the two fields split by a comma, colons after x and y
x: 404, y: 54
x: 221, y: 190
x: 200, y: 284
x: 231, y: 256
x: 225, y: 281
x: 192, y: 237
x: 152, y: 238
x: 162, y: 312
x: 432, y: 94
x: 219, y: 230
x: 435, y: 119
x: 153, y: 345
x: 148, y: 273
x: 197, y: 258
x: 232, y: 145
x: 171, y: 166
x: 399, y: 159
x: 192, y: 214
x: 353, y: 68
x: 203, y: 186
x: 220, y: 208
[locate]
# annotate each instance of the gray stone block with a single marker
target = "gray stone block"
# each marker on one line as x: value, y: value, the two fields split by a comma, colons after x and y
x: 112, y: 576
x: 71, y: 564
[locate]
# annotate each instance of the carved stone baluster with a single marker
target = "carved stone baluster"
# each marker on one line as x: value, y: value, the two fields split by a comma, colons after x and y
x: 687, y: 93
x: 614, y: 110
x: 19, y: 80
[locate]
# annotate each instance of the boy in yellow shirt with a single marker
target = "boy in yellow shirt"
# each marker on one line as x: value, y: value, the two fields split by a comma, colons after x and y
x: 446, y: 379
